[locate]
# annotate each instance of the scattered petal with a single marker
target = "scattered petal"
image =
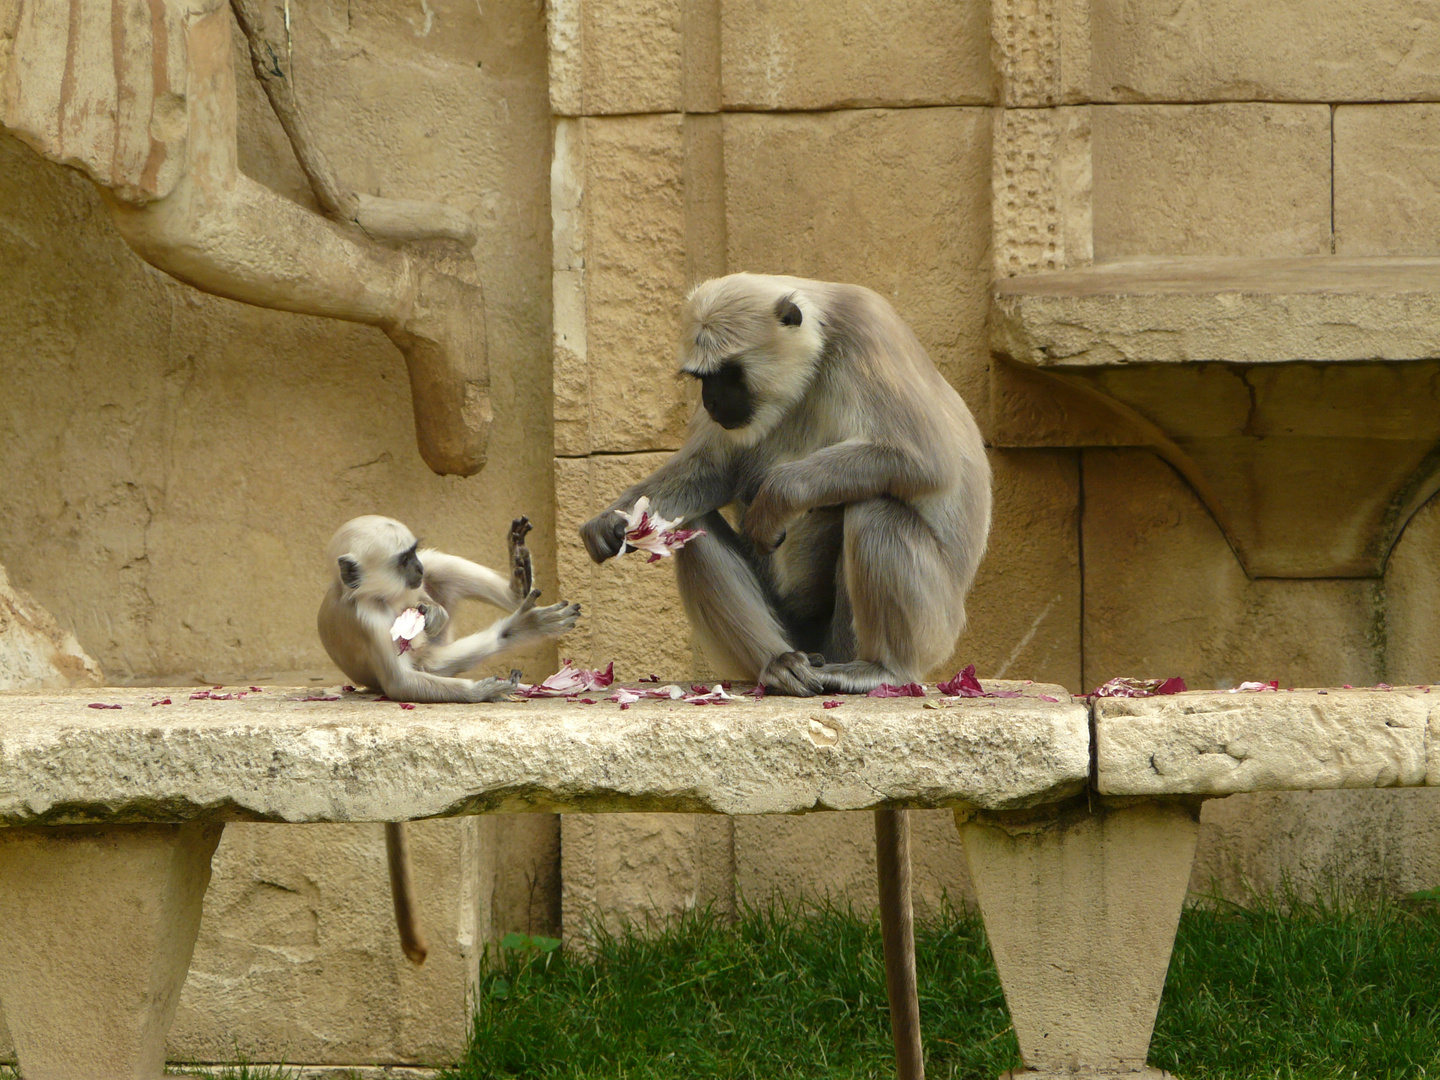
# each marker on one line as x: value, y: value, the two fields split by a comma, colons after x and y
x: 716, y: 695
x: 569, y: 681
x: 255, y: 690
x: 627, y: 696
x: 1255, y: 687
x: 97, y: 705
x: 887, y: 690
x: 831, y: 704
x: 327, y: 697
x: 651, y: 678
x: 162, y: 701
x: 1047, y: 697
x: 965, y: 684
x: 405, y: 704
x: 1137, y: 688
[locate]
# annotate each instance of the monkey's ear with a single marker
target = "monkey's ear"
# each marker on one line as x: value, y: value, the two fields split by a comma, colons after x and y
x: 788, y: 312
x: 349, y: 572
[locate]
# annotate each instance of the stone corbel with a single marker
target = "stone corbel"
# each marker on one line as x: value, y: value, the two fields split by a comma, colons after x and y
x: 148, y: 112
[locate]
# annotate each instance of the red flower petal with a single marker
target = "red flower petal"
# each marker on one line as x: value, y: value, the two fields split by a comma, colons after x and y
x: 885, y: 690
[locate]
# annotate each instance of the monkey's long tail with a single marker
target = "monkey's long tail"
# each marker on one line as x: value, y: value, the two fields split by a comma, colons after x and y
x: 402, y: 891
x: 897, y: 931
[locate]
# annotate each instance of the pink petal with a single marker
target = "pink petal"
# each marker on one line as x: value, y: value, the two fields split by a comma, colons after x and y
x: 831, y: 704
x: 406, y: 705
x: 162, y: 701
x: 97, y: 705
x: 1047, y: 697
x: 885, y: 690
x: 1138, y: 688
x: 964, y: 684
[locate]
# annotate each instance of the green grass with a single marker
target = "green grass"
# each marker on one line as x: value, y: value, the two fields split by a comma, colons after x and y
x: 1312, y: 992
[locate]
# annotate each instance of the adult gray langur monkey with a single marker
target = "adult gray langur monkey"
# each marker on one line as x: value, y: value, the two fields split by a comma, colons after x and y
x: 861, y: 489
x: 378, y: 572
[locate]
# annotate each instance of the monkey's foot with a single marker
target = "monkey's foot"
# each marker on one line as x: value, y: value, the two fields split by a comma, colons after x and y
x: 522, y: 574
x: 443, y: 340
x: 494, y: 689
x: 790, y: 673
x: 531, y: 623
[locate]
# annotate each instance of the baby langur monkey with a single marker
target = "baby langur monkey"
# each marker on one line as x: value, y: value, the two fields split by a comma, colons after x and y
x: 379, y: 571
x: 862, y: 492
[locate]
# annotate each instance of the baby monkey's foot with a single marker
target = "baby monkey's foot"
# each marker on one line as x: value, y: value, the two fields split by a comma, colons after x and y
x: 531, y: 623
x: 522, y: 574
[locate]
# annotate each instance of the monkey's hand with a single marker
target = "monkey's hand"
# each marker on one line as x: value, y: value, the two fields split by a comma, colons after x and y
x: 436, y: 618
x: 522, y: 575
x: 604, y: 535
x: 530, y: 623
x: 494, y: 689
x: 768, y: 512
x: 791, y: 673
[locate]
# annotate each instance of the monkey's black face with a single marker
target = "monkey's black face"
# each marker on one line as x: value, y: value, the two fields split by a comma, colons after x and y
x: 726, y: 396
x: 410, y: 569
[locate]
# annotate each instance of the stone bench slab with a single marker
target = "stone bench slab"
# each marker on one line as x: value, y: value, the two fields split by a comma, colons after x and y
x: 1221, y: 743
x: 273, y: 757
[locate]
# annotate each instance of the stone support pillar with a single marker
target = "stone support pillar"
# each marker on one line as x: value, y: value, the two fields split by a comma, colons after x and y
x: 96, y: 930
x: 1081, y: 909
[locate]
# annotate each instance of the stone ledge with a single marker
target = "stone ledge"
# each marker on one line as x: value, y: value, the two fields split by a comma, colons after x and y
x: 1243, y: 311
x: 1221, y: 744
x: 272, y: 757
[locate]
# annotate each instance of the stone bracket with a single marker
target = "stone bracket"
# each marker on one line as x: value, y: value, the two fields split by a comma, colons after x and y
x: 1081, y: 910
x: 1299, y: 397
x: 97, y: 925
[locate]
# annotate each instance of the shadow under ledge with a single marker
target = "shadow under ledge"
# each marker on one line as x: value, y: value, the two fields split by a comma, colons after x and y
x: 1300, y: 397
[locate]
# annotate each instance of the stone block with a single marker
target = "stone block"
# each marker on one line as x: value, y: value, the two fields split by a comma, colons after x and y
x: 641, y: 870
x: 894, y: 200
x: 832, y: 856
x: 1207, y: 743
x: 620, y: 276
x: 626, y: 57
x: 1237, y: 179
x: 298, y: 959
x: 631, y: 611
x: 1387, y: 179
x: 1237, y: 310
x: 1041, y: 179
x: 35, y: 653
x: 1025, y: 607
x: 780, y: 55
x: 1322, y: 50
x: 1318, y: 842
x: 1165, y: 594
x: 358, y: 760
x: 1412, y: 601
